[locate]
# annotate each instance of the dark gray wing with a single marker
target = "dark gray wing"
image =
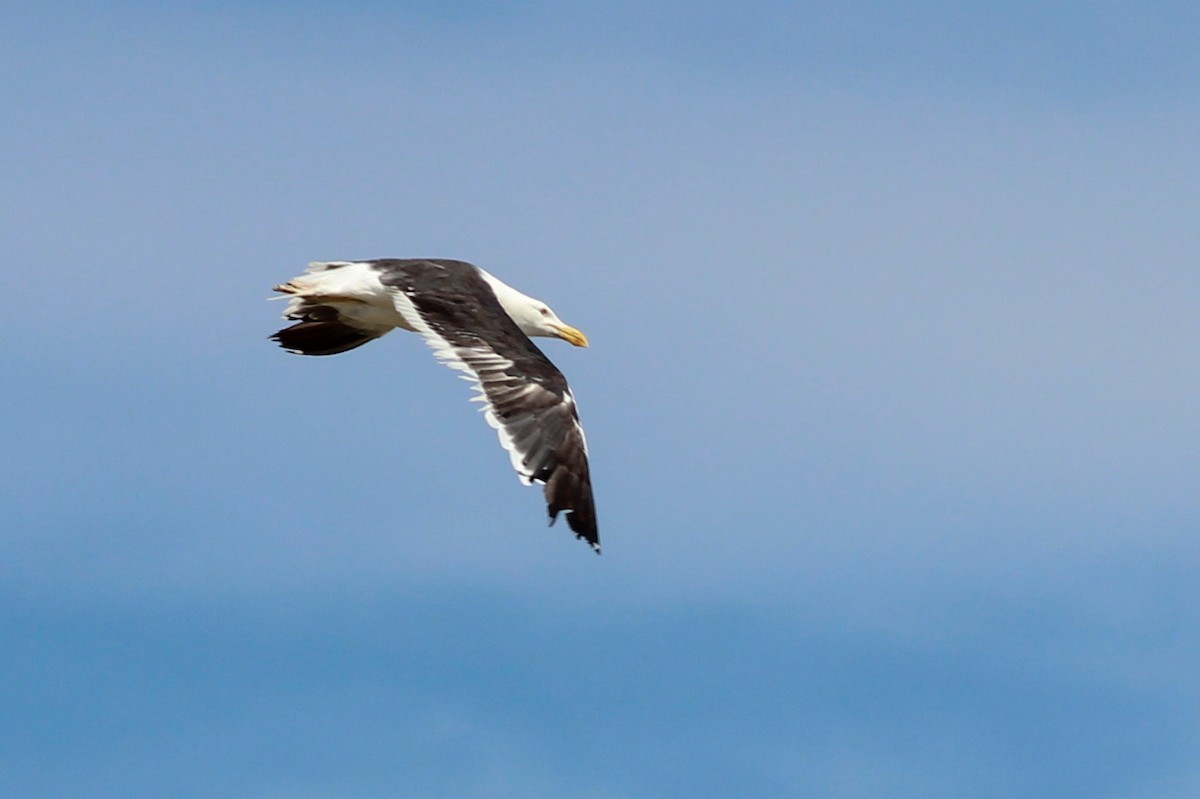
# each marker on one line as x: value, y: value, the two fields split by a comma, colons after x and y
x: 526, y: 399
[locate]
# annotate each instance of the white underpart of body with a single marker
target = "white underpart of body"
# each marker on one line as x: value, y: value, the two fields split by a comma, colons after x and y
x: 353, y: 288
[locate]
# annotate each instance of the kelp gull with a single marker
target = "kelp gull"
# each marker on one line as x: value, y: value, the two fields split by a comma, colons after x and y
x: 475, y: 324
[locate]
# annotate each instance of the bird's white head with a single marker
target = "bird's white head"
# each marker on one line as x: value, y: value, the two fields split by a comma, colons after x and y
x: 534, y: 317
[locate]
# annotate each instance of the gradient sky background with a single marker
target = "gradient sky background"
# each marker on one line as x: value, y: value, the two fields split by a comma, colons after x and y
x: 893, y: 400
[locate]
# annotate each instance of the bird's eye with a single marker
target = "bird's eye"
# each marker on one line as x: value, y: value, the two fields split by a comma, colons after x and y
x: 544, y: 311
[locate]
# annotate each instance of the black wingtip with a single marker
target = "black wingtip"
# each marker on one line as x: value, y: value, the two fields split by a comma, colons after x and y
x: 320, y: 337
x: 589, y: 536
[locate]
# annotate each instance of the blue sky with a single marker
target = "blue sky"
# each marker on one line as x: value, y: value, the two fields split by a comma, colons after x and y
x: 891, y: 400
